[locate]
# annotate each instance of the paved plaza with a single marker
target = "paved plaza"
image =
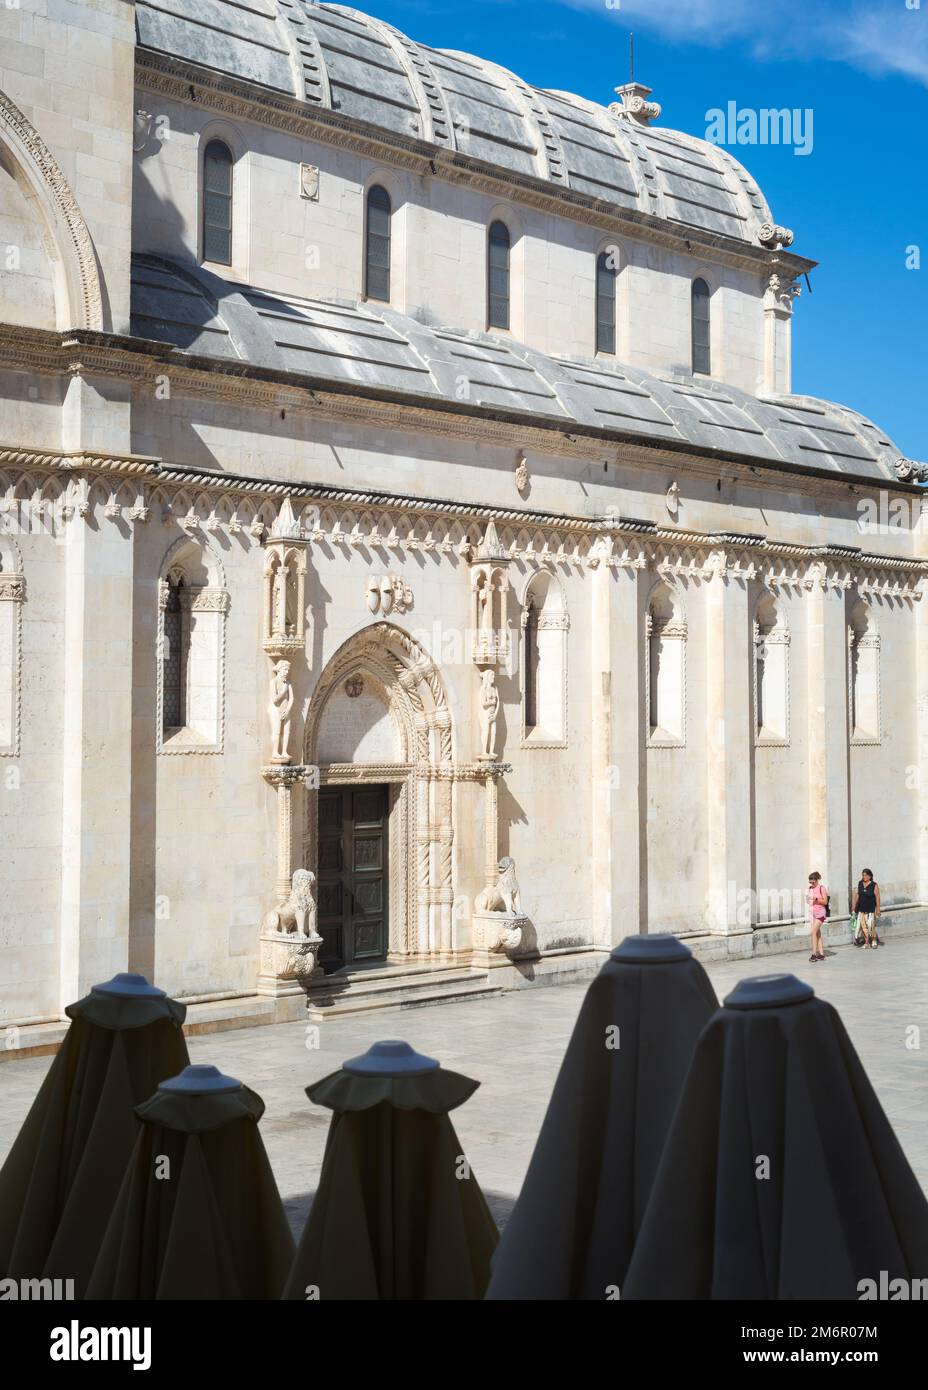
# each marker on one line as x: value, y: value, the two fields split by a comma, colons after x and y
x: 514, y: 1043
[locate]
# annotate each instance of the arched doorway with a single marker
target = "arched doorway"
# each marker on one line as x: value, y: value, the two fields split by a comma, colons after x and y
x: 378, y: 832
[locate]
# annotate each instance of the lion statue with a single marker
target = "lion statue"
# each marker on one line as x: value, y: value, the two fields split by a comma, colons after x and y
x: 298, y: 913
x: 504, y: 895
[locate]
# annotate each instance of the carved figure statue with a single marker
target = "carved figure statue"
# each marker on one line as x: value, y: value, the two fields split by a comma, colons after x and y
x: 279, y: 709
x: 489, y: 709
x: 504, y: 895
x: 298, y: 913
x: 279, y: 602
x: 485, y: 599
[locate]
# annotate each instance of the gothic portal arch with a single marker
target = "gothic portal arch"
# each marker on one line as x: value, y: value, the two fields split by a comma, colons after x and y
x: 411, y: 749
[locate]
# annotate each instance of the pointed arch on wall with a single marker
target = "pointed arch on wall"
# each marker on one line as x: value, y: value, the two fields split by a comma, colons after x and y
x: 79, y: 301
x: 421, y: 817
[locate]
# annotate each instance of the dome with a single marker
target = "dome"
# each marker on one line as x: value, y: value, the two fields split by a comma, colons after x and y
x: 340, y: 60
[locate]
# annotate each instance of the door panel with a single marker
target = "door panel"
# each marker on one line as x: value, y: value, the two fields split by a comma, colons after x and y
x: 352, y: 874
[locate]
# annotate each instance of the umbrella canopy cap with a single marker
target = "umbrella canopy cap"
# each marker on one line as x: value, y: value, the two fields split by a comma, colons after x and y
x: 128, y: 986
x: 768, y: 992
x: 390, y: 1059
x: 658, y: 949
x: 200, y: 1080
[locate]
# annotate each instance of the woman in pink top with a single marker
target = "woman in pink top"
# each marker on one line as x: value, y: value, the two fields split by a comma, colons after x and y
x: 818, y: 910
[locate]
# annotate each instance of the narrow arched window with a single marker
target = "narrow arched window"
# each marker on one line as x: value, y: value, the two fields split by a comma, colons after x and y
x: 665, y: 668
x: 771, y: 673
x: 864, y: 675
x: 544, y: 663
x: 377, y: 244
x: 605, y: 301
x: 498, y: 276
x: 702, y: 361
x: 175, y: 654
x: 531, y: 667
x: 217, y: 203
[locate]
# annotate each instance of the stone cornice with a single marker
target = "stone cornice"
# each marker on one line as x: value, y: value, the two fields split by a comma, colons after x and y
x: 221, y: 94
x: 612, y: 542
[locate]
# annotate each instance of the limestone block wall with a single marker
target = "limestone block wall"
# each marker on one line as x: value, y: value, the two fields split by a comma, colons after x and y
x: 28, y: 293
x: 781, y: 785
x: 315, y: 247
x: 676, y: 798
x: 884, y: 777
x: 67, y: 71
x: 31, y: 767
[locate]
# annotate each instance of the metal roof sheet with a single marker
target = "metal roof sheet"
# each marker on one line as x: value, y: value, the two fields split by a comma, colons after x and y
x: 370, y: 346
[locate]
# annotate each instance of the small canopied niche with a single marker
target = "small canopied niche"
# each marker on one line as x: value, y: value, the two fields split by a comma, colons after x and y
x: 666, y: 667
x: 285, y: 585
x: 771, y: 672
x: 491, y: 642
x: 863, y: 642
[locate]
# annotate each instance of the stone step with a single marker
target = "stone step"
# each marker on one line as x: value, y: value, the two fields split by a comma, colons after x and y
x: 403, y: 989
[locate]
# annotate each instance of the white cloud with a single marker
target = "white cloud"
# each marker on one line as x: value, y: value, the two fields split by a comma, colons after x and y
x: 883, y: 38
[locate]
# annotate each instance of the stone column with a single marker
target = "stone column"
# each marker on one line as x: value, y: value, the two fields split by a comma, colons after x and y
x: 96, y: 809
x: 827, y: 657
x: 490, y: 828
x: 729, y: 723
x: 780, y: 293
x: 283, y: 779
x: 617, y: 750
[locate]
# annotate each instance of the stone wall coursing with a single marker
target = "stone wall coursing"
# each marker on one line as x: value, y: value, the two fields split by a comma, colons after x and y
x: 316, y: 248
x: 69, y: 68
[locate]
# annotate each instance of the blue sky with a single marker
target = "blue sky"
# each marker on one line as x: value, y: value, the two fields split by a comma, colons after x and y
x: 856, y: 202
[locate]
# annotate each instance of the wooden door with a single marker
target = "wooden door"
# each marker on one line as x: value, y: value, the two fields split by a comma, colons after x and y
x: 353, y: 887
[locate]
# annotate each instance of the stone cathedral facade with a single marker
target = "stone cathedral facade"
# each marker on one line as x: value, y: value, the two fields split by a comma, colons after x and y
x: 416, y: 572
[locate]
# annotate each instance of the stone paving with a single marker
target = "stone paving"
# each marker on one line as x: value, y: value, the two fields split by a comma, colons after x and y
x: 514, y: 1044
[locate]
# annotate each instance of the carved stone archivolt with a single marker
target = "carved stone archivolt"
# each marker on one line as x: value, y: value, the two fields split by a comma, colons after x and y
x: 285, y: 568
x: 421, y: 820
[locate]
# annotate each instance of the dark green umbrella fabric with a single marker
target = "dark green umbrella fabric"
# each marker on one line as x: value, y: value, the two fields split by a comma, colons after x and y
x: 782, y: 1177
x: 398, y: 1214
x: 572, y: 1231
x: 60, y: 1180
x: 199, y: 1215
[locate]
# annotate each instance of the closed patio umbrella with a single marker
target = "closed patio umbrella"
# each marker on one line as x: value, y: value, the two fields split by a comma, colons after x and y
x: 59, y: 1182
x: 198, y: 1215
x: 398, y: 1214
x: 782, y: 1177
x: 571, y: 1233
